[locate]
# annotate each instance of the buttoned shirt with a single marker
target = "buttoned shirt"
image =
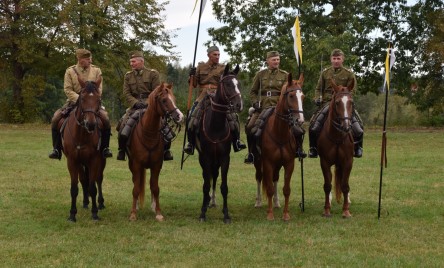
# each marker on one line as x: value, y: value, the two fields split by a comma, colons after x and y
x: 341, y: 76
x: 138, y: 84
x: 208, y: 75
x: 71, y: 84
x: 267, y: 86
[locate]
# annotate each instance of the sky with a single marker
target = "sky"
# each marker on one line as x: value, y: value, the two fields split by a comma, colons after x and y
x: 178, y: 16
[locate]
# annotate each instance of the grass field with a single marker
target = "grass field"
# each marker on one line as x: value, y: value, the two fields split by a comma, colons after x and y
x: 35, y: 202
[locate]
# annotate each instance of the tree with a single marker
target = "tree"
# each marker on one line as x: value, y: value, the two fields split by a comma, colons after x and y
x: 38, y: 40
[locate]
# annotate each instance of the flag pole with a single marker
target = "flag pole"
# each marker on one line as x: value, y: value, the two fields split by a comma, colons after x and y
x: 190, y: 87
x: 384, y: 131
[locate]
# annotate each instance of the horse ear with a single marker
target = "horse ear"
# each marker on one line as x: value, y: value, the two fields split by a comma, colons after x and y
x: 301, y: 79
x: 289, y: 79
x: 227, y: 69
x: 236, y: 70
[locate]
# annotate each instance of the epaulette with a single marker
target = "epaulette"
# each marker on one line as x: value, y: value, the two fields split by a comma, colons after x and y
x: 129, y: 72
x: 282, y: 71
x: 201, y: 62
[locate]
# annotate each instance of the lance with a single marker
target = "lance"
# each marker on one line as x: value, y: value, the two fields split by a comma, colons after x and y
x: 190, y: 88
x: 384, y: 137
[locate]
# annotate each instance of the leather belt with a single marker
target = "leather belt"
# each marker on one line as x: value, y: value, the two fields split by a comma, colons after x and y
x: 142, y: 96
x: 270, y: 93
x: 208, y: 86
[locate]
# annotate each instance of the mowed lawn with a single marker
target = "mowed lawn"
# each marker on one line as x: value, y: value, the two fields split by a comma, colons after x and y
x: 35, y: 203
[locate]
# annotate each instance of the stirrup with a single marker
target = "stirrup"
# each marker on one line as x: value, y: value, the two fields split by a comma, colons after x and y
x: 121, y: 155
x: 249, y: 159
x: 300, y: 153
x: 238, y: 146
x: 313, y: 152
x: 167, y: 155
x: 55, y: 154
x: 189, y: 149
x: 107, y: 153
x: 358, y: 152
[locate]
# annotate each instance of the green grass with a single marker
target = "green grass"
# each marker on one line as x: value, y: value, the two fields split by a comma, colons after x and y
x: 35, y: 202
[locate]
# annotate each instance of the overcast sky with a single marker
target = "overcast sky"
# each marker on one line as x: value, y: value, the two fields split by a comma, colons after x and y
x: 178, y: 15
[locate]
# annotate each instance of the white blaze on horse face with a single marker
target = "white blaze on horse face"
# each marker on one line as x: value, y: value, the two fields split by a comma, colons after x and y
x: 180, y: 114
x: 345, y: 100
x: 299, y: 95
x: 236, y: 88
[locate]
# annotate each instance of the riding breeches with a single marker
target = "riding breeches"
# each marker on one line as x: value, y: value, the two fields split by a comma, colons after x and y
x: 318, y: 119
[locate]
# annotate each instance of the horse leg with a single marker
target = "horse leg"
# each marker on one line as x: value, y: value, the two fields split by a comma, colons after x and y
x: 258, y: 167
x: 276, y: 202
x: 268, y: 186
x: 137, y: 178
x: 155, y: 190
x: 213, y: 192
x: 326, y: 171
x: 74, y: 172
x: 83, y: 176
x: 287, y: 190
x: 206, y: 196
x: 345, y: 191
x: 100, y: 198
x: 93, y: 194
x: 224, y: 190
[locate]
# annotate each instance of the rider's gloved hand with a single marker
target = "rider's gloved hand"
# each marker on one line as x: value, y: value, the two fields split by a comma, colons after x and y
x: 256, y: 105
x: 193, y: 71
x: 318, y: 102
x: 140, y: 105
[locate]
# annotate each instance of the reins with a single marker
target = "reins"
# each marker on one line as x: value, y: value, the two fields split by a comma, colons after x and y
x: 223, y: 108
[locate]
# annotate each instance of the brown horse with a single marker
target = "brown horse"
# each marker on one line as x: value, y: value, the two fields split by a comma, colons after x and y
x: 335, y: 147
x: 213, y: 140
x: 278, y: 144
x: 81, y: 146
x: 146, y: 147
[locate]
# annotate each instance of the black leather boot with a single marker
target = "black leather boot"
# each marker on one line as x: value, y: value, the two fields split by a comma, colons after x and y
x: 313, y: 140
x: 237, y: 144
x: 56, y: 144
x: 122, y: 145
x: 359, y: 148
x: 167, y: 155
x: 106, y: 135
x: 191, y: 144
x: 299, y: 151
x: 249, y: 159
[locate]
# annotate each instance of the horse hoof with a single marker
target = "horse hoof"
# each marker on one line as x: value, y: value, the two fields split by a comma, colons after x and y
x: 133, y: 217
x: 159, y: 218
x: 286, y: 217
x: 95, y: 218
x: 346, y: 214
x: 202, y: 219
x: 85, y: 205
x: 212, y: 206
x: 227, y: 221
x: 72, y: 219
x: 258, y: 205
x: 101, y: 206
x: 325, y: 215
x: 270, y: 217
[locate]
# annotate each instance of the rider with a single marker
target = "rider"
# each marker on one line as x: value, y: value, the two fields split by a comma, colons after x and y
x: 206, y: 77
x: 264, y: 93
x: 71, y: 86
x: 137, y: 86
x: 323, y: 94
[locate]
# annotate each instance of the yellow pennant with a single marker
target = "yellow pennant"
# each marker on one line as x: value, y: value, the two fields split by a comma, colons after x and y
x: 296, y: 31
x: 203, y: 6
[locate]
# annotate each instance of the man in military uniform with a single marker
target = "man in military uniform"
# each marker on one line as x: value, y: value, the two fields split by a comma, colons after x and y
x: 137, y: 86
x: 71, y: 86
x: 323, y: 95
x: 206, y: 78
x: 264, y: 93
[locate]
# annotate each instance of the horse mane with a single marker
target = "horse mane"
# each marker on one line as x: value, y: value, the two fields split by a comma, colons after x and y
x: 158, y: 91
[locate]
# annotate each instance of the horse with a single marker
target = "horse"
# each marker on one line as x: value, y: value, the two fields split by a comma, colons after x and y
x: 146, y: 147
x: 277, y: 146
x: 335, y: 147
x: 213, y: 140
x: 81, y: 146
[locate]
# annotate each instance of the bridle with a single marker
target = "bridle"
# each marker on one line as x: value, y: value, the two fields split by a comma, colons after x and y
x: 81, y: 112
x: 228, y: 107
x: 337, y: 122
x: 289, y: 116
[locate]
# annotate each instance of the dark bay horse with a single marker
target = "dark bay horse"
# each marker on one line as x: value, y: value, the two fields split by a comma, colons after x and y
x: 278, y: 144
x: 335, y: 147
x: 213, y: 139
x: 81, y: 146
x: 146, y: 147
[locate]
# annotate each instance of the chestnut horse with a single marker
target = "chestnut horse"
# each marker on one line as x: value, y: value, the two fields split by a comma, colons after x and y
x: 213, y: 140
x: 278, y: 144
x: 146, y: 147
x: 81, y: 144
x: 335, y: 147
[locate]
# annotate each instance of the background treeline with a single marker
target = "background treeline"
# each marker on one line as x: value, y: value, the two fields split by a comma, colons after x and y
x: 38, y: 40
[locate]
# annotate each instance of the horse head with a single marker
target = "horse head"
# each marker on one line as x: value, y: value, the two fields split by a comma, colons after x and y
x: 228, y: 91
x: 342, y: 106
x: 290, y: 101
x: 89, y: 102
x: 163, y: 95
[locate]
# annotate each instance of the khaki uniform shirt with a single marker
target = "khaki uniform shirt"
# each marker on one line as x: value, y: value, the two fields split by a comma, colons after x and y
x: 137, y: 85
x: 267, y: 86
x: 341, y: 76
x: 208, y: 75
x: 71, y: 84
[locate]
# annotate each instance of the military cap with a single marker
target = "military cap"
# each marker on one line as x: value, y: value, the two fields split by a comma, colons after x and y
x: 272, y: 54
x: 212, y: 49
x: 337, y: 52
x: 83, y: 53
x: 135, y: 54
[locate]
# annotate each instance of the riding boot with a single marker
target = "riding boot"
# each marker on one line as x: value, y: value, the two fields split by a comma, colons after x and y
x: 359, y: 147
x: 56, y: 145
x: 299, y: 151
x: 167, y: 155
x: 122, y: 144
x: 313, y: 140
x: 249, y: 159
x: 237, y: 144
x: 189, y: 148
x: 106, y: 135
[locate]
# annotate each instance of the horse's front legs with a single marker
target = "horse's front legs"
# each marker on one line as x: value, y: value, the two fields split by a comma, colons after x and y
x: 224, y: 192
x: 154, y: 187
x: 287, y: 191
x: 100, y: 198
x: 74, y: 192
x: 93, y: 194
x: 84, y: 179
x: 206, y: 198
x: 346, y: 205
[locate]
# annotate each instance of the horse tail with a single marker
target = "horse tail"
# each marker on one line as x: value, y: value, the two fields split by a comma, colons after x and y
x: 338, y: 190
x: 142, y: 189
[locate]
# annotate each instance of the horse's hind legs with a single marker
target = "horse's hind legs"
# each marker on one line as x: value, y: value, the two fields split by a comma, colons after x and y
x: 73, y: 210
x: 346, y: 207
x: 224, y: 191
x: 206, y: 200
x: 276, y: 202
x: 327, y: 205
x: 258, y: 203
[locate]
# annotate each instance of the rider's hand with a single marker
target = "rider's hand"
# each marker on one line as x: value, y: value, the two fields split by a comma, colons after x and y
x: 318, y: 102
x: 140, y: 105
x: 256, y: 105
x: 193, y: 71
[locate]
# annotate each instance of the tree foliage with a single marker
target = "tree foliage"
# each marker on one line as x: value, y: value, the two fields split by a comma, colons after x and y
x: 38, y: 40
x: 361, y: 28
